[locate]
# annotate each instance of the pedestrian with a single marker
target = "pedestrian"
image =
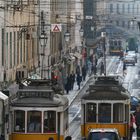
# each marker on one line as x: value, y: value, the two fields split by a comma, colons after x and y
x: 137, y: 117
x: 72, y: 79
x: 68, y: 86
x: 96, y: 61
x: 79, y: 79
x: 102, y: 68
x: 78, y: 71
x: 84, y: 73
x: 89, y: 64
x: 94, y: 70
x: 132, y: 125
x: 124, y: 68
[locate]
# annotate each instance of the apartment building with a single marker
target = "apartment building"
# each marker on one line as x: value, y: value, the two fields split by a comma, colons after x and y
x: 21, y: 49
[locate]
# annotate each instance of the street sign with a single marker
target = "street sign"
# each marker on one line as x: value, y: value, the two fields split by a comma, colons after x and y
x: 56, y: 27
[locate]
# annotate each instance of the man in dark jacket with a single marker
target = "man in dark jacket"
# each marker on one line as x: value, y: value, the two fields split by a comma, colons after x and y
x: 79, y: 79
x: 84, y: 72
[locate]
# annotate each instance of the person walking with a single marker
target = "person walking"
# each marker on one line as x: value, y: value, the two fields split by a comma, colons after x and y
x: 78, y: 71
x: 72, y: 79
x: 102, y: 68
x: 137, y: 117
x: 84, y: 73
x: 124, y: 68
x: 94, y: 70
x: 79, y: 79
x: 68, y: 86
x: 132, y: 122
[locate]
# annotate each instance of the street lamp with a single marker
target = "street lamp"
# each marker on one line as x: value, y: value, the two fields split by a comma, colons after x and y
x: 43, y: 41
x: 103, y: 35
x: 67, y: 36
x: 81, y: 31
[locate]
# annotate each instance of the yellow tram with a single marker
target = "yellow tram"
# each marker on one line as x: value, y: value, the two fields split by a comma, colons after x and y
x: 106, y: 105
x: 38, y: 112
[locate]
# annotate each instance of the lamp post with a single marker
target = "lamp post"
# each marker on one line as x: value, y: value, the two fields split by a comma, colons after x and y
x: 67, y: 36
x: 103, y: 35
x: 43, y: 41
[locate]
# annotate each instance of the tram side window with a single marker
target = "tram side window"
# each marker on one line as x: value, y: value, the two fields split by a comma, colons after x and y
x: 118, y: 112
x: 65, y: 125
x: 49, y: 121
x: 34, y: 121
x: 91, y: 112
x: 19, y: 121
x: 127, y: 109
x: 104, y: 113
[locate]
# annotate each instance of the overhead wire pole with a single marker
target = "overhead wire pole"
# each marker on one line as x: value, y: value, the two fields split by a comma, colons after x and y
x: 103, y: 35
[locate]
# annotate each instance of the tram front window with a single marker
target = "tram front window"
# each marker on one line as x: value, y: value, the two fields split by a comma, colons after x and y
x: 104, y: 113
x: 19, y: 121
x: 91, y: 112
x: 49, y: 121
x: 34, y: 121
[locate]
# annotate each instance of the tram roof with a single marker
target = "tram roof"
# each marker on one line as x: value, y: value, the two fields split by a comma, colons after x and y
x: 106, y: 95
x: 57, y: 100
x: 106, y: 88
x: 38, y: 93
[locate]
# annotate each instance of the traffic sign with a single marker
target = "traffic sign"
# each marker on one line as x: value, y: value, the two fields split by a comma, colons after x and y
x: 56, y: 28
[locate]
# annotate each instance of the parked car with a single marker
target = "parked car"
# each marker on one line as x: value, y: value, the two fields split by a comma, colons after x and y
x: 132, y: 53
x: 128, y: 59
x: 104, y: 134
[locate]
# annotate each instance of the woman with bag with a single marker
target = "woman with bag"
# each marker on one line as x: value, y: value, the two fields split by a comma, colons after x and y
x: 132, y: 125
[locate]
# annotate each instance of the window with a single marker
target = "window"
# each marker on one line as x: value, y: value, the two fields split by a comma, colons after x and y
x: 111, y: 8
x: 11, y: 51
x: 123, y: 8
x: 7, y: 40
x: 17, y: 47
x: 118, y: 9
x: 117, y: 23
x: 128, y: 8
x: 123, y: 23
x: 14, y: 49
x: 66, y: 120
x: 118, y: 112
x: 91, y: 112
x: 19, y: 121
x: 34, y: 122
x: 104, y: 113
x: 2, y: 44
x: 49, y: 121
x: 137, y: 9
